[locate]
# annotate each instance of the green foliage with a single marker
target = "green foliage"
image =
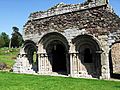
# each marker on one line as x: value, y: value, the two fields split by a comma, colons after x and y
x: 16, y: 40
x: 1, y: 42
x: 4, y: 40
x: 10, y: 81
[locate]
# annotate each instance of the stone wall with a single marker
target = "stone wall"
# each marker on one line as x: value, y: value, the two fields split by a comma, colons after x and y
x: 115, y: 54
x: 96, y: 21
x: 62, y: 8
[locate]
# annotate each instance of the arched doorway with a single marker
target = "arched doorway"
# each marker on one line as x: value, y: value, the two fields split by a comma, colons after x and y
x: 58, y: 53
x: 89, y: 54
x: 31, y: 54
x: 55, y: 46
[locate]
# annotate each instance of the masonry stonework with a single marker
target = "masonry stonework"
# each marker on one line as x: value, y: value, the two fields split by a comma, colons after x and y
x: 115, y: 53
x: 70, y: 39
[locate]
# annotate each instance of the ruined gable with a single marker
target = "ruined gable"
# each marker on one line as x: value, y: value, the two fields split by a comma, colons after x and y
x: 71, y: 39
x: 95, y: 20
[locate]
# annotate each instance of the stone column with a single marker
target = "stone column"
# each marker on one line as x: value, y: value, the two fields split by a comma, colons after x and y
x: 71, y: 51
x: 39, y: 63
x: 105, y: 65
x: 71, y: 65
x: 41, y: 53
x: 105, y: 70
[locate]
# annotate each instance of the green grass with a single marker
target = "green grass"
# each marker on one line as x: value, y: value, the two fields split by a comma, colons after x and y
x: 8, y: 56
x: 11, y: 81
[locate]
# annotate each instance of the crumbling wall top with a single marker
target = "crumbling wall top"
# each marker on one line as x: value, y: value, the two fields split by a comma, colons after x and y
x: 62, y: 8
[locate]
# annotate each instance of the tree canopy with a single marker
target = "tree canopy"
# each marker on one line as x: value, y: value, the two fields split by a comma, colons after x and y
x: 4, y: 40
x: 16, y: 40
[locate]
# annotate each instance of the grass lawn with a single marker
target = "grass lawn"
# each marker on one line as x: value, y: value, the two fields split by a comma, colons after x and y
x: 11, y: 81
x: 8, y: 56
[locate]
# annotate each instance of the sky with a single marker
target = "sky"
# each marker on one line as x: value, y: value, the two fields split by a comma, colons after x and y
x: 16, y: 12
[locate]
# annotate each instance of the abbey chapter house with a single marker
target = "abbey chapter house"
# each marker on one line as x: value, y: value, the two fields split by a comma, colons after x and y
x: 76, y: 40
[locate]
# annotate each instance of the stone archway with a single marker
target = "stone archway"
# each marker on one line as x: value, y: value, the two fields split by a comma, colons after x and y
x: 30, y: 50
x: 58, y: 53
x: 55, y: 47
x: 89, y: 56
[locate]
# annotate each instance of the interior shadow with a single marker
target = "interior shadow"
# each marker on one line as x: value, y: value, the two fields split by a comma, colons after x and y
x: 57, y: 57
x: 93, y: 67
x: 89, y: 55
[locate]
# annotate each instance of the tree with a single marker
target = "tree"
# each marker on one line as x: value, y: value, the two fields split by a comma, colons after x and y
x: 4, y: 40
x: 16, y: 40
x: 1, y: 42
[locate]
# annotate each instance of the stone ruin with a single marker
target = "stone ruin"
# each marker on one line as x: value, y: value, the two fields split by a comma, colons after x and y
x: 76, y: 40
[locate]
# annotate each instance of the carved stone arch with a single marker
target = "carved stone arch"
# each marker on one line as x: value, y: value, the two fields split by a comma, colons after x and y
x: 89, y: 53
x: 30, y: 50
x: 47, y: 38
x: 28, y: 43
x: 89, y: 38
x: 55, y: 45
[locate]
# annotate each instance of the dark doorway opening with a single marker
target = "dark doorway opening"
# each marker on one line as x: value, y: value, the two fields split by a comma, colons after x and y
x: 87, y: 56
x: 59, y: 59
